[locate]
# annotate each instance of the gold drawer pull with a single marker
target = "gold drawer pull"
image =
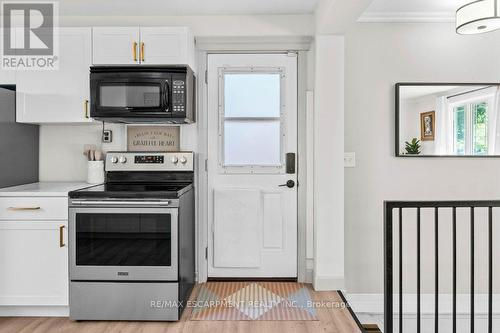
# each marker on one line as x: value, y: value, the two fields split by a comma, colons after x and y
x: 142, y: 52
x: 61, y: 236
x: 17, y: 209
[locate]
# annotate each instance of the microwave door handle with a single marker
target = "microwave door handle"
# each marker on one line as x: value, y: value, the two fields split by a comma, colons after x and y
x: 167, y: 96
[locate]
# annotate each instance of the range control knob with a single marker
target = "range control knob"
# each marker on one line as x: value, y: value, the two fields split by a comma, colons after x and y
x: 114, y: 159
x: 183, y: 160
x: 123, y: 159
x: 175, y: 159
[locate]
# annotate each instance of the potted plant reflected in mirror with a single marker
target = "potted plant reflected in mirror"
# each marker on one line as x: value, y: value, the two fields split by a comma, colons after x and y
x: 412, y: 147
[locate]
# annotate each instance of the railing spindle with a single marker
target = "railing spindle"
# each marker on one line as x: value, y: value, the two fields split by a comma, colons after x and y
x: 472, y: 270
x: 490, y: 270
x: 436, y: 268
x: 388, y: 258
x: 400, y: 270
x: 454, y: 324
x: 418, y: 270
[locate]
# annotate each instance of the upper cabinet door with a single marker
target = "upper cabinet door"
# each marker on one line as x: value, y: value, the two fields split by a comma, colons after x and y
x: 115, y: 45
x: 167, y: 46
x: 58, y: 96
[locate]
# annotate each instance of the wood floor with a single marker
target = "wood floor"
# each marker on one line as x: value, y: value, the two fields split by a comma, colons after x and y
x: 331, y: 320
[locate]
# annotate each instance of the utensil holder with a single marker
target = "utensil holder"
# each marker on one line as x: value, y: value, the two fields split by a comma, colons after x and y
x: 95, y: 172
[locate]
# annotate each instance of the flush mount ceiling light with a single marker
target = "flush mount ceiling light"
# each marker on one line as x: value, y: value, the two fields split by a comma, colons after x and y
x: 478, y: 17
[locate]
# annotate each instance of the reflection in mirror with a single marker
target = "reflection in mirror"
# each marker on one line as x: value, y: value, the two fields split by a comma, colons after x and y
x: 448, y: 120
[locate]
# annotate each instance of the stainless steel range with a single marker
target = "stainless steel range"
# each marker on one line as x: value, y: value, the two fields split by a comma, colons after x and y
x: 132, y: 239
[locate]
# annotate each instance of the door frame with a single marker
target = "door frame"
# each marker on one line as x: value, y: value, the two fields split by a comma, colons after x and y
x: 300, y: 47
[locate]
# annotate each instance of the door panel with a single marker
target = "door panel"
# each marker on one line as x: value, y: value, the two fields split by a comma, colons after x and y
x: 237, y: 234
x: 273, y: 232
x: 252, y: 125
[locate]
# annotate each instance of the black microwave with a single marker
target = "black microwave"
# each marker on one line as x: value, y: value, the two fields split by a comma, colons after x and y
x: 142, y: 94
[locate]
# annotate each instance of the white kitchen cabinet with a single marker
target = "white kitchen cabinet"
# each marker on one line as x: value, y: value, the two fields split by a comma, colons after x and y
x: 58, y: 96
x: 34, y: 248
x: 115, y: 45
x: 167, y: 45
x: 143, y: 45
x: 34, y: 265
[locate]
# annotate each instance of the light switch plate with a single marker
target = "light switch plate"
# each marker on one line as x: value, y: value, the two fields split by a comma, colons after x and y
x: 349, y: 160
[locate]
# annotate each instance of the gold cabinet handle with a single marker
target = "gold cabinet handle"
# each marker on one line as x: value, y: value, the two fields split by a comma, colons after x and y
x: 61, y: 236
x: 17, y: 209
x: 142, y: 52
x: 134, y: 50
x: 86, y: 108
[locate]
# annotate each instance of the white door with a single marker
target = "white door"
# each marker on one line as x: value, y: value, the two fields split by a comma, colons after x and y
x: 166, y: 46
x: 252, y: 141
x: 58, y: 96
x: 115, y: 45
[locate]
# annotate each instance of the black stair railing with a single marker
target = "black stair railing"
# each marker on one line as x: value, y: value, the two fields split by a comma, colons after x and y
x: 389, y: 292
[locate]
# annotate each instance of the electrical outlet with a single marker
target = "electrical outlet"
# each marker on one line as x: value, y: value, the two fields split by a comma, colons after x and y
x: 107, y: 136
x: 349, y: 160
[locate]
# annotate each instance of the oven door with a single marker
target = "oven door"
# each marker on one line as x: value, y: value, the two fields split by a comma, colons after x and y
x: 129, y: 96
x: 130, y: 244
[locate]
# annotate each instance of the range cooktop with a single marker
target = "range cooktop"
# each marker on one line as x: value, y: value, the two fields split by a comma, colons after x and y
x: 132, y: 191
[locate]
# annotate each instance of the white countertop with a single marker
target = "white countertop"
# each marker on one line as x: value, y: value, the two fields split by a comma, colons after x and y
x: 42, y: 189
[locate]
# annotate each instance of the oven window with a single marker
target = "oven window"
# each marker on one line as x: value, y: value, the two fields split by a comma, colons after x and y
x: 129, y: 95
x: 123, y: 239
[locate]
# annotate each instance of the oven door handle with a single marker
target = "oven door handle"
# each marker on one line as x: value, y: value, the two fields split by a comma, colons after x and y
x: 120, y: 203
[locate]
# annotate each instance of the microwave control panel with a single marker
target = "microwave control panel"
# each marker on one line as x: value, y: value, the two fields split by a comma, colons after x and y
x: 178, y: 95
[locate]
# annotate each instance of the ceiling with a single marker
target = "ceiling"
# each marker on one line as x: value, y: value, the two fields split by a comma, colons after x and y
x: 412, y: 92
x: 412, y: 10
x: 184, y: 7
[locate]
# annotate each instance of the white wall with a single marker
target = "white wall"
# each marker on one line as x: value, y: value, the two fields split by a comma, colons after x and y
x: 61, y: 147
x: 329, y: 163
x: 378, y: 56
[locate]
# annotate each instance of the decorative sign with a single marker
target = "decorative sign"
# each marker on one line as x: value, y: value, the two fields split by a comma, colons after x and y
x: 153, y: 138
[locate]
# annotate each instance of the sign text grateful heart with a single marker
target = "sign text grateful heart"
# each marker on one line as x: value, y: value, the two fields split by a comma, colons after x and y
x: 153, y: 138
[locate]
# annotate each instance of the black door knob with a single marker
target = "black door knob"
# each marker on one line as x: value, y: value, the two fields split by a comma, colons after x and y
x: 289, y: 184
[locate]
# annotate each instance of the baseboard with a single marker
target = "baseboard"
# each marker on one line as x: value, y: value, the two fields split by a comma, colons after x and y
x: 328, y: 283
x: 34, y: 311
x: 374, y: 303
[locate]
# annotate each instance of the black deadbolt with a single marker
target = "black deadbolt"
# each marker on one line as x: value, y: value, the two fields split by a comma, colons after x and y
x: 289, y: 184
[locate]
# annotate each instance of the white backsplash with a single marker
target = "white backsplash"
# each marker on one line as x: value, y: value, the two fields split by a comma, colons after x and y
x: 61, y: 147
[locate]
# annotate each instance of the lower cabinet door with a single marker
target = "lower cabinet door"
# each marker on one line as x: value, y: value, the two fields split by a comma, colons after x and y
x: 33, y: 263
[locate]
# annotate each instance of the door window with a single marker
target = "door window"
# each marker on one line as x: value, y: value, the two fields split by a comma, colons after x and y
x: 251, y: 119
x: 129, y: 95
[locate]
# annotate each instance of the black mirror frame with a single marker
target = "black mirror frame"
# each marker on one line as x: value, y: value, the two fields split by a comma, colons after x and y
x: 413, y: 84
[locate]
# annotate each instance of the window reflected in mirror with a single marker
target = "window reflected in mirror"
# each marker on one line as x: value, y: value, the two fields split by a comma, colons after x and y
x: 448, y: 120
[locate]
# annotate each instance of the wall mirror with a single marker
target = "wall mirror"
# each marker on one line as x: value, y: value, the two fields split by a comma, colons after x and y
x: 448, y: 119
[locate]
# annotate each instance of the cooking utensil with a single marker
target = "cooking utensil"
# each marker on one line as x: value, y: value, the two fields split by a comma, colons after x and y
x: 98, y: 155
